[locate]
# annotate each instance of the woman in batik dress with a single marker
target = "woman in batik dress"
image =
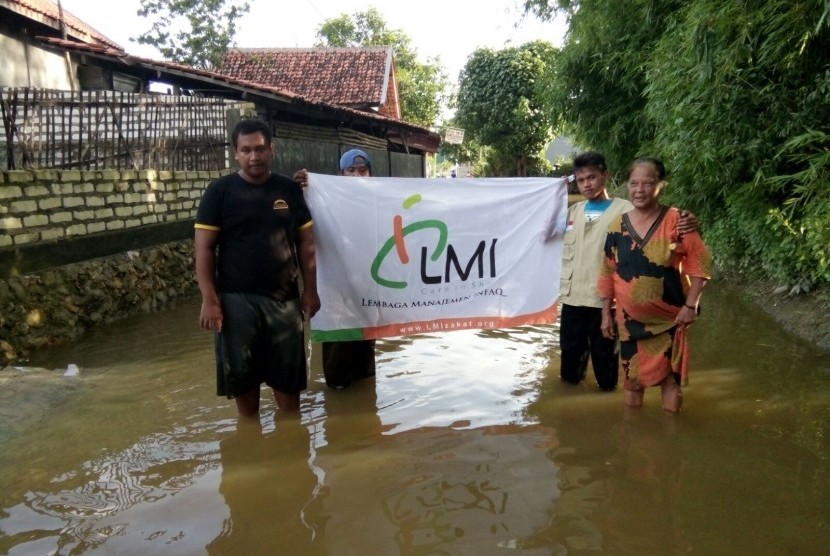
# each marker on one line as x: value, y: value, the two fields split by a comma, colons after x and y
x: 655, y: 278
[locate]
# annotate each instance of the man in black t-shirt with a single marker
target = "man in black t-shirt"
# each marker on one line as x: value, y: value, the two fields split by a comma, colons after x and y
x: 253, y: 239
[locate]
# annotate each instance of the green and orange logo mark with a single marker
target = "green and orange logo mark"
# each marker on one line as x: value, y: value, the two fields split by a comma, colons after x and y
x: 398, y: 243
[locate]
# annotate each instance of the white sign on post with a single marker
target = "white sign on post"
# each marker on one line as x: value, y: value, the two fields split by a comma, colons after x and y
x: 454, y: 136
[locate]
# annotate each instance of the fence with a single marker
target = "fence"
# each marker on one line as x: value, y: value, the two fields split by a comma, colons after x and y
x: 96, y: 130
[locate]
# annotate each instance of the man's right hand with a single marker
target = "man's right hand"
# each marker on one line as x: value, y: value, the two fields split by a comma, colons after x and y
x: 210, y: 316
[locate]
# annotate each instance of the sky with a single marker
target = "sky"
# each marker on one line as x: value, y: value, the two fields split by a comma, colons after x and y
x: 448, y: 29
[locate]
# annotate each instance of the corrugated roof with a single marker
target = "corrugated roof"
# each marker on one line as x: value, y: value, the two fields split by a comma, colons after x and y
x: 356, y: 77
x: 47, y: 12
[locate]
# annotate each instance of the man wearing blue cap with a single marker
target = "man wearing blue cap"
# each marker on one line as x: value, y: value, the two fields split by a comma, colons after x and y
x: 345, y: 362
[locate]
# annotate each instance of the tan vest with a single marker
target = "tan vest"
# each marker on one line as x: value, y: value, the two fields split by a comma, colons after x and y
x: 582, y: 253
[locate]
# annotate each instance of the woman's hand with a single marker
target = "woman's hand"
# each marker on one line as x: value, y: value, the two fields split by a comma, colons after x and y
x: 686, y: 316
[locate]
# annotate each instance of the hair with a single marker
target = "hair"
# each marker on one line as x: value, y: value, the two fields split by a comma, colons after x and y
x: 590, y: 159
x: 656, y: 162
x: 248, y: 127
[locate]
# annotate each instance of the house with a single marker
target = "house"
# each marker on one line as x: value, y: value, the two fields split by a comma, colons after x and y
x: 25, y: 62
x: 64, y: 71
x: 312, y: 133
x: 362, y: 78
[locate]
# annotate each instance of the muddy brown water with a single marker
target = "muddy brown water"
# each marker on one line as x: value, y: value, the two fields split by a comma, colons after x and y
x: 466, y: 443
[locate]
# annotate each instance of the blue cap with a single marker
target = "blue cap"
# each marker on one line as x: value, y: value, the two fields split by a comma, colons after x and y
x: 349, y: 157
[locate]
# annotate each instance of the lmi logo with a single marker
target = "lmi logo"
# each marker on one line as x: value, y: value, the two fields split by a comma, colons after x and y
x: 451, y: 261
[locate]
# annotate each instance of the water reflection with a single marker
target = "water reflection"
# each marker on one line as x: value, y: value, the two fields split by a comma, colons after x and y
x: 269, y: 490
x: 469, y: 491
x: 620, y: 496
x: 466, y: 443
x: 335, y: 478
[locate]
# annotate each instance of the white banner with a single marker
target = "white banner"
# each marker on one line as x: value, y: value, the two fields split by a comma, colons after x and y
x: 400, y: 256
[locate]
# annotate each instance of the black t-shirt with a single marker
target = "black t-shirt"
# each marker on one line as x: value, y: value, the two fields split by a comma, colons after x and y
x: 257, y: 227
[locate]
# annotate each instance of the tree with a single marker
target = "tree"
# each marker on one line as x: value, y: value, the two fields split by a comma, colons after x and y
x: 596, y: 89
x: 734, y: 95
x: 741, y: 91
x: 196, y: 33
x: 422, y: 86
x: 499, y: 103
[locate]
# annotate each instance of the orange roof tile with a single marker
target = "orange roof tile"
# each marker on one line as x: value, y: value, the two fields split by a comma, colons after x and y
x: 356, y: 77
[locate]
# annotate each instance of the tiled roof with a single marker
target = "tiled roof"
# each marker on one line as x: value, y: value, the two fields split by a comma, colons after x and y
x: 356, y: 77
x: 47, y: 12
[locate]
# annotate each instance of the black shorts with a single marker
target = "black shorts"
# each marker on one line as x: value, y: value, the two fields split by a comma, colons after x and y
x: 261, y: 341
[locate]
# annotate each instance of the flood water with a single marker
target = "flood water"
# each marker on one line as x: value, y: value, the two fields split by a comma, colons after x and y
x: 466, y: 443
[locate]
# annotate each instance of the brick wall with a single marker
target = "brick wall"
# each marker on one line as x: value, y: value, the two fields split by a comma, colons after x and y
x: 53, y: 205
